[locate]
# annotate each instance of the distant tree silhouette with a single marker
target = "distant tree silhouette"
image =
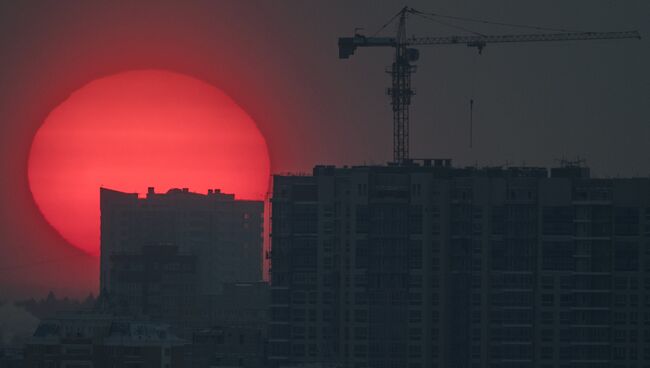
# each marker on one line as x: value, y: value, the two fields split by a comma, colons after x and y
x: 50, y: 305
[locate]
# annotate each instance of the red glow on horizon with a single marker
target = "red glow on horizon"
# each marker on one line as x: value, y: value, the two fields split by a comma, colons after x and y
x: 137, y: 129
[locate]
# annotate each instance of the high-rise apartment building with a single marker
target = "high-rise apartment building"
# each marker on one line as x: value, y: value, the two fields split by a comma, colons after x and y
x: 221, y: 234
x: 159, y: 283
x: 427, y: 265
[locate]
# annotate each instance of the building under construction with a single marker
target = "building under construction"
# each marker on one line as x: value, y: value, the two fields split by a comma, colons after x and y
x: 427, y: 265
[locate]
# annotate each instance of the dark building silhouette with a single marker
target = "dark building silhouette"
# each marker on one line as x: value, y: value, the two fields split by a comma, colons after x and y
x: 157, y: 283
x: 12, y: 357
x: 234, y: 334
x: 427, y: 265
x: 241, y: 304
x: 190, y: 260
x: 100, y: 340
x: 224, y: 234
x: 229, y: 346
x: 51, y: 305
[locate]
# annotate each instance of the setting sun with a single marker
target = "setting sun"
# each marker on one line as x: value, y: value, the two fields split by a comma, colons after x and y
x: 140, y: 129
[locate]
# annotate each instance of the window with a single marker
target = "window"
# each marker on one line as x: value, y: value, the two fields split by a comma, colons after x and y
x: 304, y: 192
x: 626, y: 221
x: 626, y: 256
x: 558, y: 256
x: 362, y: 219
x: 547, y: 300
x: 415, y: 316
x: 415, y: 219
x: 305, y: 218
x: 415, y: 254
x: 557, y: 220
x: 547, y: 352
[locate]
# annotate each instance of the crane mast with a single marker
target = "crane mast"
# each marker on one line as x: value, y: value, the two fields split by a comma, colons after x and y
x: 401, y: 91
x: 401, y: 69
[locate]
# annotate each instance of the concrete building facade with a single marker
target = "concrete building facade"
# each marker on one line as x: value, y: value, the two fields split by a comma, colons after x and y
x: 224, y: 234
x: 241, y: 346
x: 158, y: 283
x: 427, y: 265
x: 240, y: 304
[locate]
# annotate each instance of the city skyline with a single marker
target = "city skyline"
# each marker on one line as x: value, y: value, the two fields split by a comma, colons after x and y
x: 533, y: 104
x: 325, y: 184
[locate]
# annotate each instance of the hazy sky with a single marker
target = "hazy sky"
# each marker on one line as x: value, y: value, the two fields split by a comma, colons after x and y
x: 533, y: 103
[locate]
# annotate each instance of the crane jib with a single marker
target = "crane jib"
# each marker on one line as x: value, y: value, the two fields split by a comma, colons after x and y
x: 401, y: 69
x: 535, y: 37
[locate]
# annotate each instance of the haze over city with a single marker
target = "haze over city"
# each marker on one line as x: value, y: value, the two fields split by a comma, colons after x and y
x: 533, y: 103
x: 222, y: 116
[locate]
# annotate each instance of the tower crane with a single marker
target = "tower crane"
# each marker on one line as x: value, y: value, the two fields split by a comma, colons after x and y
x: 405, y: 55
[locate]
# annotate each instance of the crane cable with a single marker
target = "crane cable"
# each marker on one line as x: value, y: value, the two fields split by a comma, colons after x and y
x: 426, y: 16
x: 483, y: 21
x: 471, y: 104
x: 431, y: 15
x: 391, y: 20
